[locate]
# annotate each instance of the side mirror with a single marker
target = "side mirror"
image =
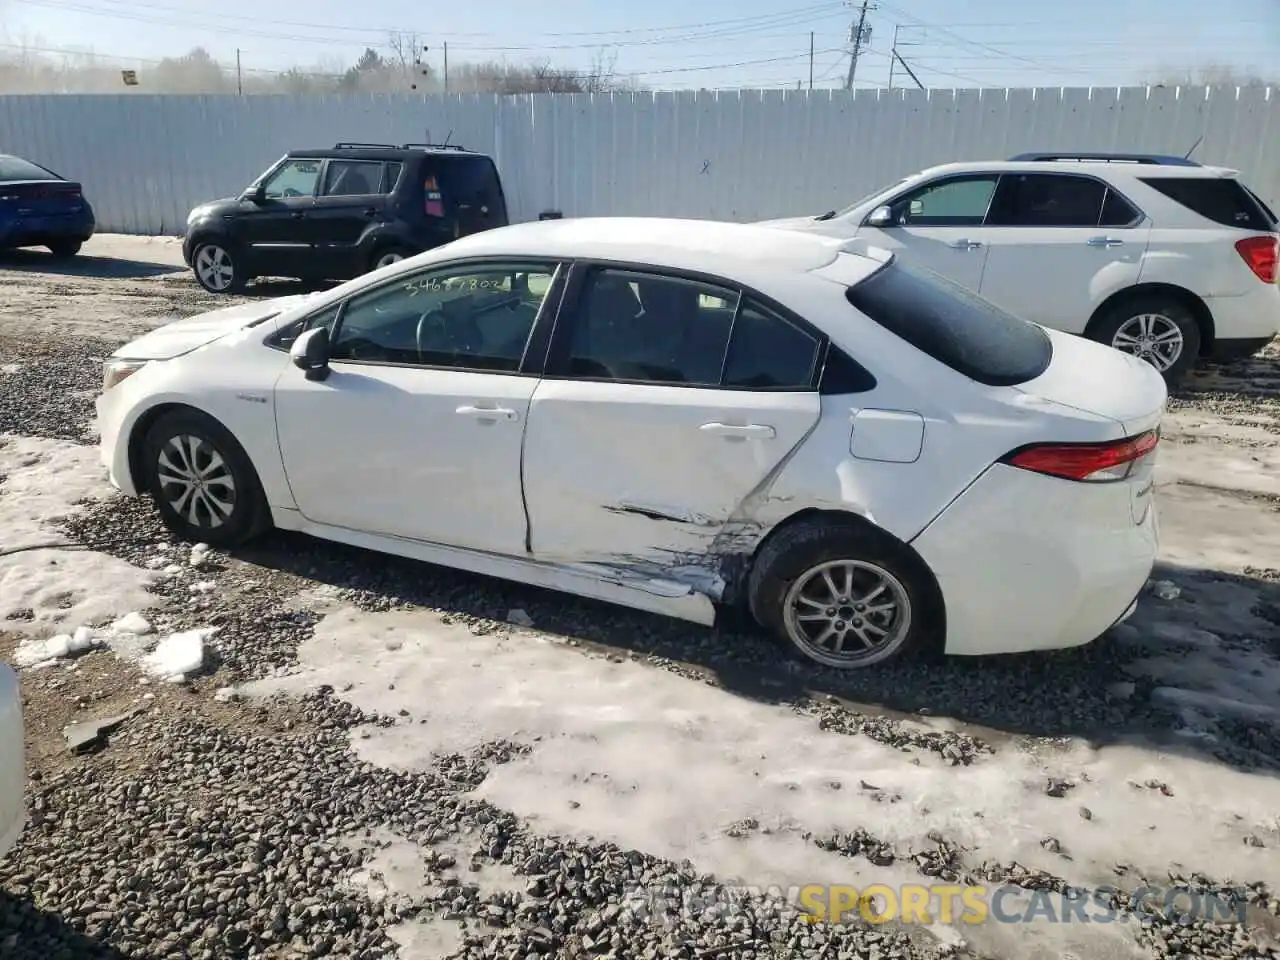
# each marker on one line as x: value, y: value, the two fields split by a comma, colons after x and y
x: 310, y: 353
x: 256, y: 194
x: 880, y: 217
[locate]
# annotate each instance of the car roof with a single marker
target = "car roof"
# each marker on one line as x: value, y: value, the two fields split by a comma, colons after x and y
x: 1099, y: 168
x: 735, y: 251
x: 376, y: 153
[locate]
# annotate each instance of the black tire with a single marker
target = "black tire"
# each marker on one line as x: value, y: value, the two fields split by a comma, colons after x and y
x: 788, y: 564
x: 236, y: 483
x: 219, y: 253
x: 379, y: 255
x: 1167, y: 311
x: 65, y: 249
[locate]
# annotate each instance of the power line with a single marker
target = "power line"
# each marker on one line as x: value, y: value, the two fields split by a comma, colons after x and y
x: 796, y: 17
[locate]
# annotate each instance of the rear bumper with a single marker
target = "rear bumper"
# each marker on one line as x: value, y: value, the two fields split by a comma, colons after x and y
x: 1239, y: 322
x: 39, y: 231
x: 13, y: 812
x: 1027, y: 562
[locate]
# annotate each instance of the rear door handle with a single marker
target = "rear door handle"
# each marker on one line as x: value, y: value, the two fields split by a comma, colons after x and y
x: 966, y: 244
x: 1104, y: 242
x: 488, y: 413
x: 749, y: 431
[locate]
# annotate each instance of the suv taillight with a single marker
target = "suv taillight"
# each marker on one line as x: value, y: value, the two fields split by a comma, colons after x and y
x: 1261, y: 254
x: 1087, y: 462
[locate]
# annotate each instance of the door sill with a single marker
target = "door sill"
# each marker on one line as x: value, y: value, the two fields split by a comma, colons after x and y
x: 610, y: 584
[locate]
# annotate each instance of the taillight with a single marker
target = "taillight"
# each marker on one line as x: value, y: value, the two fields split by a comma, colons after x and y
x: 1261, y: 254
x: 1087, y: 462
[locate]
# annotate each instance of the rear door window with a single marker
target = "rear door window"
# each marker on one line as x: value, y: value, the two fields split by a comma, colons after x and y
x: 352, y: 178
x: 767, y: 352
x: 1223, y: 200
x: 1047, y: 200
x: 953, y: 325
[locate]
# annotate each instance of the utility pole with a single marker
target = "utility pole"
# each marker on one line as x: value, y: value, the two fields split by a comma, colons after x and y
x: 239, y: 78
x: 810, y: 60
x: 859, y: 37
x: 446, y: 66
x: 893, y: 53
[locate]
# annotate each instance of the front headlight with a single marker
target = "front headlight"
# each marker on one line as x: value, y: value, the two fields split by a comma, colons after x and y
x: 117, y: 369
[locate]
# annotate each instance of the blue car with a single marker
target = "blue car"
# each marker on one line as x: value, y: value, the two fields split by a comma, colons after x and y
x: 38, y: 208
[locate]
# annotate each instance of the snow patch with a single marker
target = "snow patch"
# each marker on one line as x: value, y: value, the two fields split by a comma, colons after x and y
x: 41, y: 653
x: 617, y: 750
x: 44, y: 481
x: 177, y: 655
x: 9, y: 369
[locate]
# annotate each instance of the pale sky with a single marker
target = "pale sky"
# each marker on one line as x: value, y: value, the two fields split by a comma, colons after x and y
x: 672, y: 44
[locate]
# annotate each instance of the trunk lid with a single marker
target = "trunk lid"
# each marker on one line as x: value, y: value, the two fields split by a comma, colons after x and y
x: 183, y: 336
x: 1100, y: 380
x: 40, y: 198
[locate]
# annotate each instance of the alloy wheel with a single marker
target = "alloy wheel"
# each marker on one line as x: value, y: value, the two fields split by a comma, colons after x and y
x: 195, y: 480
x: 847, y: 613
x: 215, y: 267
x: 1152, y: 337
x: 387, y: 259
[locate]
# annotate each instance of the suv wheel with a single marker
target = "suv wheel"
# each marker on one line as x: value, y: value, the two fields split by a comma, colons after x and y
x: 386, y: 256
x: 215, y: 269
x: 1153, y: 327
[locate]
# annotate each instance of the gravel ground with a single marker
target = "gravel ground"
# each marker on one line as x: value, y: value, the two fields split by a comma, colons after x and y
x: 213, y: 825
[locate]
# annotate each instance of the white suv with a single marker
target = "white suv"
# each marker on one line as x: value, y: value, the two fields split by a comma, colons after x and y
x: 1158, y: 256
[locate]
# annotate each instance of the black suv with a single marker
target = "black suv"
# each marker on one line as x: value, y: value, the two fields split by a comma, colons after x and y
x: 335, y: 214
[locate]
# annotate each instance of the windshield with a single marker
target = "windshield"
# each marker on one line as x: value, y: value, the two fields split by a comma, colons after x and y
x: 874, y: 193
x: 15, y: 168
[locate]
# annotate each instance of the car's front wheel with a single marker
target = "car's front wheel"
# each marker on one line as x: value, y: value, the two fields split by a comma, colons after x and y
x: 202, y: 481
x: 843, y: 595
x: 215, y: 268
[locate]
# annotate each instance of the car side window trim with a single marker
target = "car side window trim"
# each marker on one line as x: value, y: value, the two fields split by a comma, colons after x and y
x: 285, y: 161
x: 569, y: 315
x: 323, y: 182
x: 530, y: 364
x: 1137, y: 221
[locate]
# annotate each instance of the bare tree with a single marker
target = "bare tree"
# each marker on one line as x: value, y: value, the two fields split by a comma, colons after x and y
x: 1212, y: 75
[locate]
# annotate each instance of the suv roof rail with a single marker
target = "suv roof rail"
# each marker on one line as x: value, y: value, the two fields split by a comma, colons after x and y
x: 433, y: 146
x: 1154, y: 159
x: 364, y: 146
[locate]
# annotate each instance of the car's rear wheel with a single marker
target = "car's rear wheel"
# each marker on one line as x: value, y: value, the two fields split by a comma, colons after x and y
x: 1156, y: 328
x: 215, y: 269
x: 65, y: 249
x: 386, y: 256
x: 202, y: 481
x: 844, y: 595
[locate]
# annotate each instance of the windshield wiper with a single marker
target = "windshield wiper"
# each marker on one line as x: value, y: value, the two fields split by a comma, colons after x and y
x: 826, y: 216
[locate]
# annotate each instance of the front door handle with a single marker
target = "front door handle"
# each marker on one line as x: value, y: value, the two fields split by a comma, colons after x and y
x: 748, y: 431
x: 371, y: 211
x: 1104, y: 242
x: 488, y: 413
x: 966, y: 244
x: 297, y: 215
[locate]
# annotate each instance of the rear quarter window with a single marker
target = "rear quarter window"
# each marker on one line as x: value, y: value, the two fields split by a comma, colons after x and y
x: 953, y: 326
x: 1223, y: 200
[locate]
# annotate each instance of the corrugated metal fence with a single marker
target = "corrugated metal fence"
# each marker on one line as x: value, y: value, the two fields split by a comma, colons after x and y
x: 145, y: 161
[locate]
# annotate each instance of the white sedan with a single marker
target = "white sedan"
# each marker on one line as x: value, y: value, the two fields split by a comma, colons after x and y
x: 13, y: 811
x: 676, y: 416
